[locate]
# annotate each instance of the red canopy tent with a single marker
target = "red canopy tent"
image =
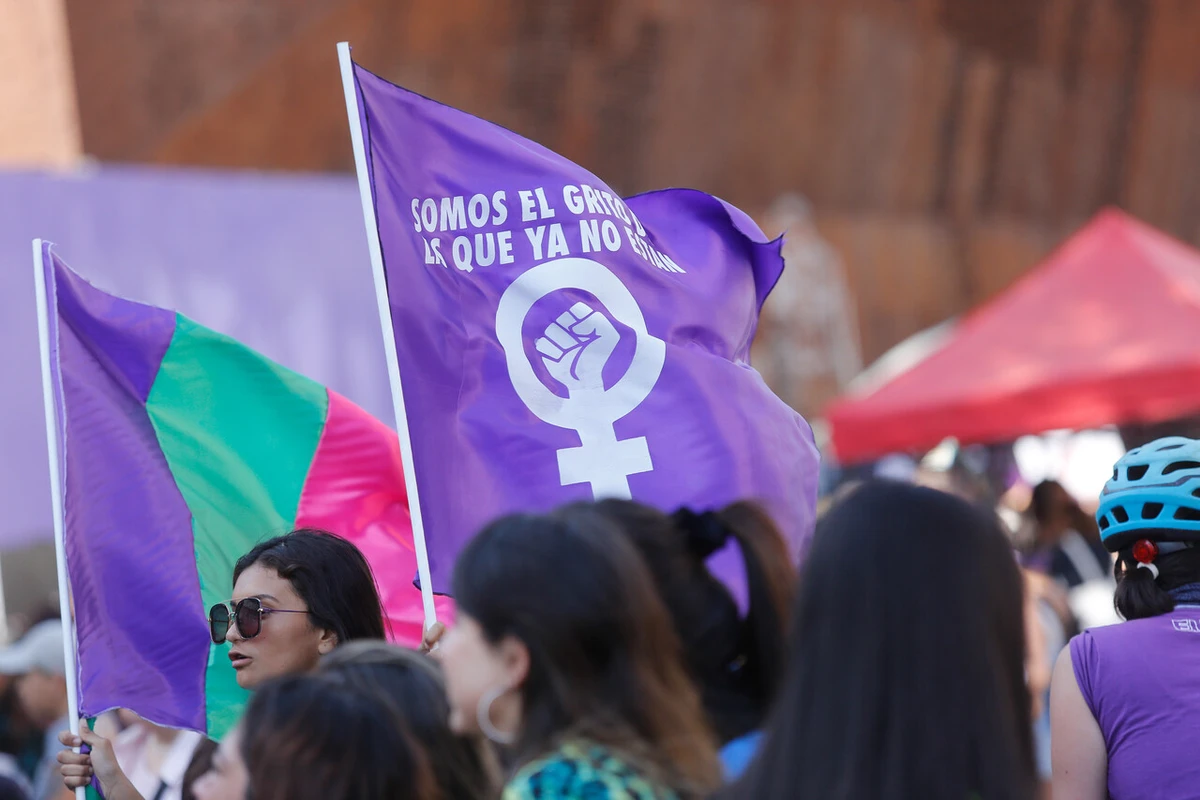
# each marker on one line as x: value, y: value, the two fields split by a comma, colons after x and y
x: 1105, y: 331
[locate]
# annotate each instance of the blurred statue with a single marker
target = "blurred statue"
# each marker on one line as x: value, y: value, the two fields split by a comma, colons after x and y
x: 809, y: 339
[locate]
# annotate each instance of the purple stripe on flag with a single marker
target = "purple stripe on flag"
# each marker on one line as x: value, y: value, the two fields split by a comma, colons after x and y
x: 127, y: 339
x: 128, y: 514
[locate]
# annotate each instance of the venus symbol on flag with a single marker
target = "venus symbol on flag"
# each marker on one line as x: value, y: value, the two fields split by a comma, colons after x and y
x: 589, y: 409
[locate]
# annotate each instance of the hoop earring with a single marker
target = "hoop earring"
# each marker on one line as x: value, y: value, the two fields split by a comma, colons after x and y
x: 483, y: 715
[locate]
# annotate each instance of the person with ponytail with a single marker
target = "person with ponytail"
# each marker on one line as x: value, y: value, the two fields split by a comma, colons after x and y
x: 736, y: 659
x: 1125, y: 699
x: 905, y: 673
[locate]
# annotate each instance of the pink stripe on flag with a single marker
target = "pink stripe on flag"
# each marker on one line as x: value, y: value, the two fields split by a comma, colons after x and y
x: 355, y: 488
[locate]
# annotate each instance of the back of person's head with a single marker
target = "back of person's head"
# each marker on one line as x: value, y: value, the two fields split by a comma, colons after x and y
x: 1142, y: 592
x: 11, y: 789
x: 410, y: 685
x: 737, y: 661
x: 603, y: 662
x: 906, y: 674
x: 1149, y: 515
x: 312, y: 737
x: 1056, y: 511
x: 1046, y: 501
x: 330, y: 575
x: 201, y: 763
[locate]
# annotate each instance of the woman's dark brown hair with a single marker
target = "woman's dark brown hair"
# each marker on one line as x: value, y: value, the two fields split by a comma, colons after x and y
x: 604, y: 660
x: 313, y: 737
x: 736, y: 660
x: 906, y: 676
x: 331, y: 576
x: 410, y: 685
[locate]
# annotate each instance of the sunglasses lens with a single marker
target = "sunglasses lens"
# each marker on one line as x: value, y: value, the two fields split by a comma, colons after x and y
x: 218, y: 622
x: 249, y: 617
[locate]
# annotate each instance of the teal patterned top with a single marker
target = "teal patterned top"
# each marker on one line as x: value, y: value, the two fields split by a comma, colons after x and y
x: 583, y: 771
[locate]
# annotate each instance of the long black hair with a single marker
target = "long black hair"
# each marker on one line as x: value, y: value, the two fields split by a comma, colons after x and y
x: 737, y: 662
x: 331, y: 576
x: 1140, y: 594
x: 410, y: 685
x: 906, y: 674
x: 604, y: 661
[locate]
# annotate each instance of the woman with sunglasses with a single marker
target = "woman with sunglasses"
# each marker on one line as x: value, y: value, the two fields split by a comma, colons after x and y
x: 295, y: 598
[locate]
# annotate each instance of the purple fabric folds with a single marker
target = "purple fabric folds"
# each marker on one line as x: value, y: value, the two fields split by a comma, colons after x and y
x: 558, y: 343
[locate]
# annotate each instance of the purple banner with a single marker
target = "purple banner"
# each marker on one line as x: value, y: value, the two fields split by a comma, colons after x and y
x: 558, y: 343
x: 125, y: 515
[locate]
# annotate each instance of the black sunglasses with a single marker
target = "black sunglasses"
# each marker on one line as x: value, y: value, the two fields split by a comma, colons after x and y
x: 247, y: 615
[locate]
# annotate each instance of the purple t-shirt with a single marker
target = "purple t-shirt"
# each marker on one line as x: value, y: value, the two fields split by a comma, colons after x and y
x: 1141, y: 679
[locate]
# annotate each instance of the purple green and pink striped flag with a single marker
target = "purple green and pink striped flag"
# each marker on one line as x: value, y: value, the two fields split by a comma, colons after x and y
x: 179, y: 450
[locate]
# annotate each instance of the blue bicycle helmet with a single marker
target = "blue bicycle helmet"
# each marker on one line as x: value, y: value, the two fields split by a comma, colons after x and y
x: 1154, y: 494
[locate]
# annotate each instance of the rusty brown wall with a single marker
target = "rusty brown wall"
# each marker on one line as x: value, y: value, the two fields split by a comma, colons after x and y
x: 38, y: 122
x: 946, y: 144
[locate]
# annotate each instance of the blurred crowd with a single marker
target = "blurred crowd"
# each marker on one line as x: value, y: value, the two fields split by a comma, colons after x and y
x: 594, y: 655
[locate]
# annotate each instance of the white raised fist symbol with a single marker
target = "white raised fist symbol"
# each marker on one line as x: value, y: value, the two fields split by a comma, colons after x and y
x: 576, y: 347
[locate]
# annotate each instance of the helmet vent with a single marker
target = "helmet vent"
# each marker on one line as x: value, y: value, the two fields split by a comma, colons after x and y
x: 1176, y: 466
x: 1139, y: 472
x: 1170, y: 447
x: 1151, y: 510
x: 1104, y: 523
x: 1188, y: 514
x: 1120, y: 514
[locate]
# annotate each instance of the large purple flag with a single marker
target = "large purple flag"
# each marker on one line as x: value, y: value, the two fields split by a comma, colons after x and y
x: 558, y: 343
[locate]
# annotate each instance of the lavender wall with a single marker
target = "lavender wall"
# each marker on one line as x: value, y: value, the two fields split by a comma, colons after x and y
x: 278, y: 261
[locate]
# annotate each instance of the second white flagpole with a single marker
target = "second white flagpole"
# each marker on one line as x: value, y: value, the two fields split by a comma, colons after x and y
x: 385, y: 321
x: 56, y: 494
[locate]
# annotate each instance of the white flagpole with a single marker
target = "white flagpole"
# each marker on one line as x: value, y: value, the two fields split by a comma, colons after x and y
x: 385, y: 321
x: 56, y: 495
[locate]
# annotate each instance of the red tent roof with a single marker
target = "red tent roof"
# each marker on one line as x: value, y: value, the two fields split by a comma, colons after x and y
x: 1105, y: 331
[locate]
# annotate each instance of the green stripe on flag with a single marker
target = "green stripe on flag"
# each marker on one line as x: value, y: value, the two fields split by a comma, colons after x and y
x: 239, y: 433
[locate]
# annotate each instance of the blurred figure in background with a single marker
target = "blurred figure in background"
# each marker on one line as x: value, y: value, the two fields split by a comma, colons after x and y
x: 808, y: 343
x: 563, y: 654
x: 1047, y: 622
x: 735, y: 659
x: 21, y: 743
x: 155, y: 758
x: 1067, y: 543
x: 1125, y: 699
x: 38, y: 663
x: 1067, y: 547
x: 13, y: 787
x: 907, y: 670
